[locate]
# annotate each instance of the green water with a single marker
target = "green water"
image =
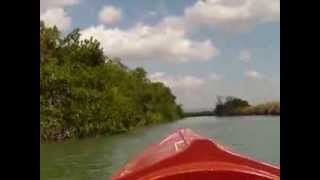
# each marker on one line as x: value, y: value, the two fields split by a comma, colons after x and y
x: 99, y: 158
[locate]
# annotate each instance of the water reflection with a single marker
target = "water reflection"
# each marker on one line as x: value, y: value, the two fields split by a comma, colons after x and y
x: 98, y: 158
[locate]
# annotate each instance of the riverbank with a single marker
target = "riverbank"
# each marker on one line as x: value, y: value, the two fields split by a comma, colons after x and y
x: 270, y: 108
x: 265, y: 109
x: 198, y: 114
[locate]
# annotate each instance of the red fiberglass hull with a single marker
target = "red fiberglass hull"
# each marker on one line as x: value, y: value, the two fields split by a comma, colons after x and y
x: 188, y: 156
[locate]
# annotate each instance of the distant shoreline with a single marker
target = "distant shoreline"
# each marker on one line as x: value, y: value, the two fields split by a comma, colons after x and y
x: 265, y: 109
x: 199, y: 114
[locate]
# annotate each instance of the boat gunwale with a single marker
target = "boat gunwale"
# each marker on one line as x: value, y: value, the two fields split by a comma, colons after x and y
x: 213, y: 167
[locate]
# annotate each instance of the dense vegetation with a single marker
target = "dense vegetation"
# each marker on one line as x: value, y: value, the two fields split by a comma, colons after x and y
x: 85, y: 93
x: 197, y: 114
x: 230, y: 106
x: 270, y: 108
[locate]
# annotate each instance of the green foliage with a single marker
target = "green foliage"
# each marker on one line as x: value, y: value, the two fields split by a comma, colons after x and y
x: 236, y: 106
x: 84, y: 93
x: 271, y: 108
x: 229, y: 106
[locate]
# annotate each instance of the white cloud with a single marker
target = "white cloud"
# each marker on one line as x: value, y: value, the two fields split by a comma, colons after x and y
x: 253, y: 74
x: 52, y: 12
x: 186, y: 88
x: 214, y: 77
x: 57, y: 17
x: 177, y: 81
x: 232, y: 14
x: 166, y: 42
x: 245, y: 56
x: 157, y: 76
x: 172, y: 23
x: 152, y: 13
x: 46, y: 4
x: 200, y: 93
x: 110, y: 15
x: 186, y: 81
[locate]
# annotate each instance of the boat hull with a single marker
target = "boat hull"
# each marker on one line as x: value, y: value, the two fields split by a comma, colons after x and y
x: 186, y: 155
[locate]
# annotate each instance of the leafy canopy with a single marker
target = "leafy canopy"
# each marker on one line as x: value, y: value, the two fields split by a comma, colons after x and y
x: 85, y: 93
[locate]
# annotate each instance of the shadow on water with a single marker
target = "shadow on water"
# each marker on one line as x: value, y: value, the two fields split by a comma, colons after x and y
x: 98, y: 158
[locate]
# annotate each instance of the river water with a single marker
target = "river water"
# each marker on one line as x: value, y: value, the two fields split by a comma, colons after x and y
x: 98, y: 158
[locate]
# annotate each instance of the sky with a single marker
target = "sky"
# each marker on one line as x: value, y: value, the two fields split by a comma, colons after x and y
x: 201, y: 49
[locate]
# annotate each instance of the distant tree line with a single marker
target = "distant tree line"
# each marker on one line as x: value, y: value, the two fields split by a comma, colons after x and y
x: 200, y: 113
x: 230, y: 106
x: 83, y: 92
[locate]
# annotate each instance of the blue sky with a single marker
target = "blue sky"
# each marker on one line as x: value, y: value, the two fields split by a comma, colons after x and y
x: 199, y: 49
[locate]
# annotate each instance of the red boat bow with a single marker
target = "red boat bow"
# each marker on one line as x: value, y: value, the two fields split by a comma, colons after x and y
x: 186, y: 155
